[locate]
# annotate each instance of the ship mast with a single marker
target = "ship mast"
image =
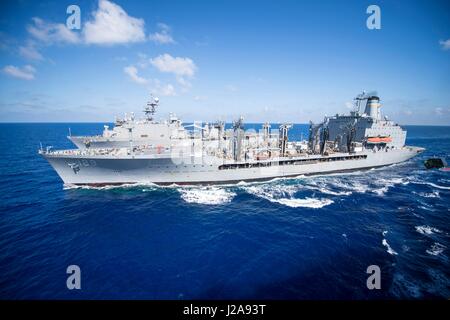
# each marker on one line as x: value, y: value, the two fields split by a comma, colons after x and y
x: 150, y: 108
x: 283, y: 138
x: 238, y: 137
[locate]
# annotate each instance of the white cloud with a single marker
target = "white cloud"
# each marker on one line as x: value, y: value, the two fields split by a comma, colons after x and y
x: 112, y: 25
x: 163, y: 35
x: 154, y: 85
x: 164, y: 27
x: 439, y: 111
x: 50, y: 33
x: 160, y: 89
x: 30, y: 52
x: 109, y: 25
x: 161, y: 38
x: 165, y: 90
x: 27, y: 72
x: 185, y: 85
x: 176, y: 65
x: 132, y: 72
x: 445, y: 45
x: 182, y: 68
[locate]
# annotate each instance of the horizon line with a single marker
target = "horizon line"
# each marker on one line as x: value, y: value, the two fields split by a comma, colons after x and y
x: 100, y: 122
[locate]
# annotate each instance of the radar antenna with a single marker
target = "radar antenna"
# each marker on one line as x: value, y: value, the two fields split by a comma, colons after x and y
x: 360, y: 97
x: 150, y: 108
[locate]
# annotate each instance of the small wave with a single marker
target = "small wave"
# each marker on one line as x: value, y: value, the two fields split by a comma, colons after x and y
x: 426, y: 207
x: 360, y: 187
x: 329, y: 185
x: 335, y: 193
x: 436, y: 249
x: 381, y: 191
x: 206, y: 195
x: 383, y: 185
x: 434, y: 194
x: 342, y: 186
x: 348, y: 187
x: 284, y: 194
x: 272, y: 190
x: 397, y: 180
x: 431, y: 184
x: 389, y: 249
x: 427, y: 230
x: 307, y: 202
x: 109, y: 187
x: 438, y: 186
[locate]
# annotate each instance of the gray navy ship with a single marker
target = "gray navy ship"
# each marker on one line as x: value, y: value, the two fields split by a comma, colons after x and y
x: 166, y: 152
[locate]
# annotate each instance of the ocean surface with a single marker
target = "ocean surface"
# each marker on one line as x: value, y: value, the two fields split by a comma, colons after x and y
x: 302, y: 238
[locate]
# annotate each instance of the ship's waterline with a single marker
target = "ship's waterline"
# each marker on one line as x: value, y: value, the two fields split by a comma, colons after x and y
x: 95, y: 171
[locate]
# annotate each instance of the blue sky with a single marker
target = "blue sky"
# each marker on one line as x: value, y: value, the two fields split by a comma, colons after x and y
x: 267, y: 60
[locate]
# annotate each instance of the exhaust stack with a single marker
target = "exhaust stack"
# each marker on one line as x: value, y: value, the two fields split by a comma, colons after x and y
x: 373, y: 107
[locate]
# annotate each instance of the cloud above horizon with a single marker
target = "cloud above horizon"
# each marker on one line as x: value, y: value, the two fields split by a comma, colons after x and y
x: 445, y: 44
x: 153, y: 85
x: 109, y: 25
x: 30, y: 52
x: 132, y: 73
x: 181, y: 67
x: 163, y: 35
x: 112, y: 25
x: 50, y: 33
x: 176, y: 65
x: 27, y: 72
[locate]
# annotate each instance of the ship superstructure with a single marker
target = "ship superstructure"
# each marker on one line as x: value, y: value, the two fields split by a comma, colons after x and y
x: 211, y: 154
x: 137, y: 131
x: 361, y: 128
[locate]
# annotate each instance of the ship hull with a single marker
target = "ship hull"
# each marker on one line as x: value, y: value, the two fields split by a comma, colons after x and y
x: 84, y: 170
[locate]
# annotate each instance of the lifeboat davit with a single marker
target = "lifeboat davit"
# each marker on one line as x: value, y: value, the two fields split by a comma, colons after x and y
x: 379, y: 139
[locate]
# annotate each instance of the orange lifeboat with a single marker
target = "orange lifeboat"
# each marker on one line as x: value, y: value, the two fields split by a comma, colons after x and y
x: 379, y: 139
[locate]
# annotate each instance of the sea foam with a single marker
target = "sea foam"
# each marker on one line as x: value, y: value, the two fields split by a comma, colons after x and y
x: 427, y: 230
x: 388, y: 248
x: 285, y: 195
x: 436, y: 249
x: 206, y: 195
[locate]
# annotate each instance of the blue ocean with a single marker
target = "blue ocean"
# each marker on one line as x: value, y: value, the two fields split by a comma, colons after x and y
x: 303, y: 238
